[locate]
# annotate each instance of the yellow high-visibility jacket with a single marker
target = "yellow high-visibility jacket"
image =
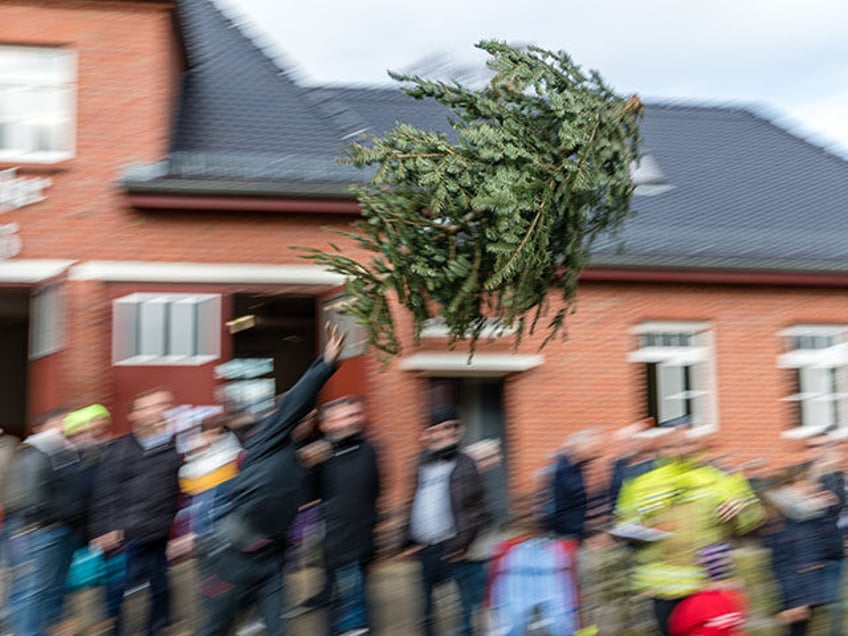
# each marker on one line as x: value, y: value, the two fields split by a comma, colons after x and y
x: 682, y: 498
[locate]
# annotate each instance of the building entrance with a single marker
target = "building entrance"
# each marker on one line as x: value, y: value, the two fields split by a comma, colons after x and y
x: 14, y: 350
x: 282, y: 329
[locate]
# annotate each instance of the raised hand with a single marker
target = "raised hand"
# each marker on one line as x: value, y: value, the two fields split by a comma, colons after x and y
x: 335, y: 340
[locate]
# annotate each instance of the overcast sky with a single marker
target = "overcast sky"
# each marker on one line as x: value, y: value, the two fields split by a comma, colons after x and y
x: 789, y: 59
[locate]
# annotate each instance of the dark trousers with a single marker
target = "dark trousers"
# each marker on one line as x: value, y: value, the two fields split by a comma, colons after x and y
x: 469, y: 577
x: 798, y: 628
x: 238, y: 581
x: 146, y: 563
x: 662, y: 612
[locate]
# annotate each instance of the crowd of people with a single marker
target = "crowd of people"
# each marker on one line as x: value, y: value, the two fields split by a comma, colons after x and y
x: 79, y: 506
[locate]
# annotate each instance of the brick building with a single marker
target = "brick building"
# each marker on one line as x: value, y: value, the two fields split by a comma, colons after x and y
x: 158, y: 167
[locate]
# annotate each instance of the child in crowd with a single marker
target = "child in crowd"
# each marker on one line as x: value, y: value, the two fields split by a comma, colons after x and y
x: 205, y: 478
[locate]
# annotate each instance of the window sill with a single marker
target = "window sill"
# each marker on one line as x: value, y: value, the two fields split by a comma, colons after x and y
x: 166, y: 361
x: 37, y: 167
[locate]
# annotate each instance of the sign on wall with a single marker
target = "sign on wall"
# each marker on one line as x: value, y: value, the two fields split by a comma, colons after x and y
x: 10, y: 242
x: 17, y: 192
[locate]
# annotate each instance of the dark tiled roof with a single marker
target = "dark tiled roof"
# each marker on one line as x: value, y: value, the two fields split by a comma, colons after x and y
x: 238, y: 109
x: 743, y: 188
x: 736, y: 191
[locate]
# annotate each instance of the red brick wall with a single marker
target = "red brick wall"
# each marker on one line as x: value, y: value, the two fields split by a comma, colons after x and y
x: 124, y: 103
x: 587, y: 380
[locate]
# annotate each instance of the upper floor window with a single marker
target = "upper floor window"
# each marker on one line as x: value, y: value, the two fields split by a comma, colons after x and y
x: 160, y: 329
x: 816, y: 356
x: 37, y: 94
x: 679, y: 371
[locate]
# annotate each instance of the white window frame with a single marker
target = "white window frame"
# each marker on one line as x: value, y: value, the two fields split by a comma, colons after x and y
x: 15, y: 82
x: 147, y: 328
x: 699, y: 356
x: 46, y: 329
x: 816, y: 367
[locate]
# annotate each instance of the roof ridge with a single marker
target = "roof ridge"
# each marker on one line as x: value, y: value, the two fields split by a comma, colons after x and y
x: 256, y: 46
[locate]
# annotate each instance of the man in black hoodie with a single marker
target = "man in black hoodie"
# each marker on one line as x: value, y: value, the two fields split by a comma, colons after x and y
x: 249, y: 548
x: 348, y: 483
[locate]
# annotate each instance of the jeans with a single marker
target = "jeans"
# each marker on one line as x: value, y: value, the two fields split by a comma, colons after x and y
x: 833, y: 580
x: 349, y: 608
x: 145, y: 563
x: 40, y: 560
x: 469, y: 577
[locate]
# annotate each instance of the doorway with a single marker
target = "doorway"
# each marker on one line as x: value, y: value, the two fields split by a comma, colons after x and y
x: 14, y: 351
x: 283, y: 331
x: 480, y: 405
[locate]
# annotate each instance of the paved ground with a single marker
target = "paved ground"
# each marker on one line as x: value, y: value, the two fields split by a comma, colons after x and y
x: 395, y: 597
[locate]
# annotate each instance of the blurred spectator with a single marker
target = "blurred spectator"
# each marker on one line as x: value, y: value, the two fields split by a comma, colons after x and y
x: 533, y: 575
x: 570, y: 498
x: 687, y: 510
x: 206, y: 479
x: 46, y: 505
x: 346, y: 479
x: 8, y: 446
x: 135, y: 501
x: 635, y: 456
x: 448, y: 513
x: 794, y: 536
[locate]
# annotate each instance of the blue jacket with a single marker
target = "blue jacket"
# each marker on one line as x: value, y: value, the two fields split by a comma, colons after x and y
x: 798, y: 560
x: 569, y: 515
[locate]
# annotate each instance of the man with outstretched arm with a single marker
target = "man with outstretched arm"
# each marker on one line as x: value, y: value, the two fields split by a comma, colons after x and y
x: 249, y: 544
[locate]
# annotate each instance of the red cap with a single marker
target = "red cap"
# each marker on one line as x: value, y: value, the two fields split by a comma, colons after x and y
x: 709, y: 613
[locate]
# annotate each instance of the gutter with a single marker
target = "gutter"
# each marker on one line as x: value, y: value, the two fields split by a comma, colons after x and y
x: 315, y: 205
x: 715, y: 277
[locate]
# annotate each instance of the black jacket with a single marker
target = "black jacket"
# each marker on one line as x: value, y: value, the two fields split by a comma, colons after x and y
x: 348, y: 485
x: 468, y: 503
x: 266, y: 492
x: 136, y: 490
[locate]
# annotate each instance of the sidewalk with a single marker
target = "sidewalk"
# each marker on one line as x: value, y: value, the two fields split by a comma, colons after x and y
x: 392, y: 585
x: 395, y: 595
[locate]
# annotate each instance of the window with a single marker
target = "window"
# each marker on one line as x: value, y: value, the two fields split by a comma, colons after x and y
x: 679, y: 371
x: 166, y: 329
x: 37, y: 94
x: 816, y: 356
x: 46, y: 327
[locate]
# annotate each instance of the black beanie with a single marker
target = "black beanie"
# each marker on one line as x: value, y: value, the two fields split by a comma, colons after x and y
x: 443, y: 413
